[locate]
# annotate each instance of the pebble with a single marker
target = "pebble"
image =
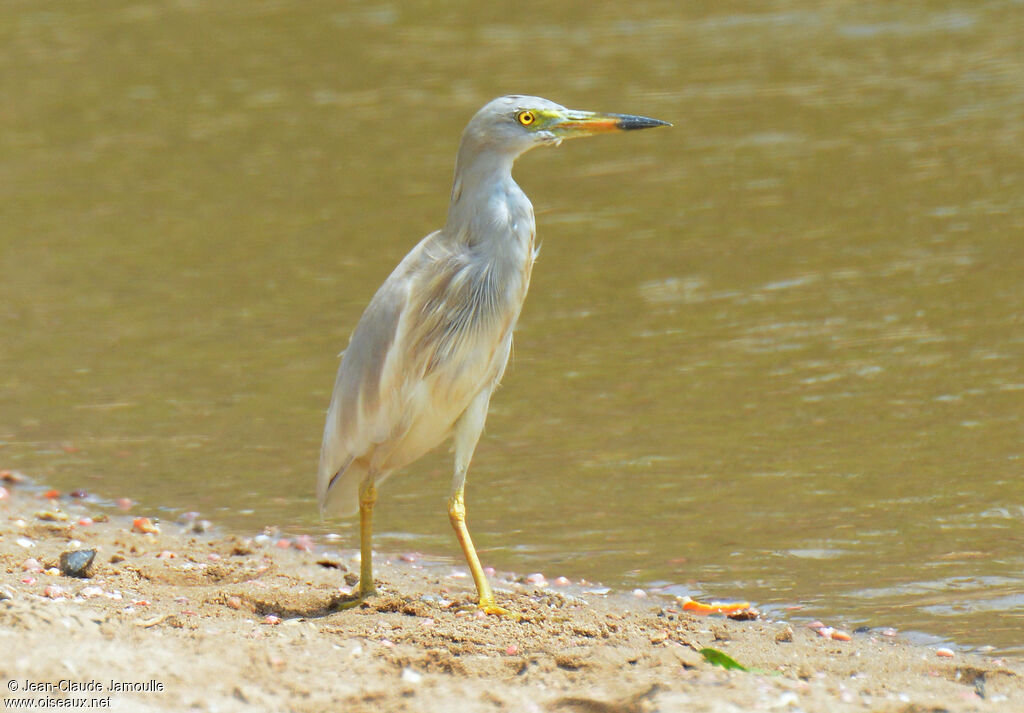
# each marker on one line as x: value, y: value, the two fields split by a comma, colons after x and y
x: 489, y: 571
x: 124, y: 503
x: 511, y: 650
x: 840, y: 635
x: 411, y: 676
x: 10, y: 476
x: 304, y: 543
x: 51, y: 494
x: 25, y: 542
x: 213, y: 557
x: 889, y: 632
x: 639, y: 593
x: 234, y: 602
x: 284, y: 543
x: 93, y: 591
x: 32, y: 565
x: 76, y: 563
x: 945, y: 653
x: 537, y: 579
x: 28, y: 580
x: 201, y: 527
x: 53, y: 591
x: 561, y: 582
x: 786, y: 700
x: 4, y: 493
x: 166, y: 555
x: 79, y: 494
x: 409, y: 557
x: 272, y: 619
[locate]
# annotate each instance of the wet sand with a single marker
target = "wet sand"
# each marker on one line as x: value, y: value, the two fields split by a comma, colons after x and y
x: 182, y: 620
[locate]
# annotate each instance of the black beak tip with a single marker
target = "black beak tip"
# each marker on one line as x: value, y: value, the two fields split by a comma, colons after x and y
x: 628, y: 122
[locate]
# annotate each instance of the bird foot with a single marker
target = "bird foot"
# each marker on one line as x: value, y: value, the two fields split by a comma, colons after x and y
x: 493, y: 609
x: 351, y: 601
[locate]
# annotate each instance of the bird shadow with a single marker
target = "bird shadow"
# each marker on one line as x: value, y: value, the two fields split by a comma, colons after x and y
x: 311, y: 606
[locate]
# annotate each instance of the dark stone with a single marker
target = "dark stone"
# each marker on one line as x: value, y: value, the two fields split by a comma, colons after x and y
x: 76, y: 563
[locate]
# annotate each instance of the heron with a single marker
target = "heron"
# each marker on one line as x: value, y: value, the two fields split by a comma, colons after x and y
x: 434, y: 341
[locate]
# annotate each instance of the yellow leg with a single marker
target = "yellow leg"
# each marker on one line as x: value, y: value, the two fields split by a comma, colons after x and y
x: 367, y: 498
x: 457, y: 514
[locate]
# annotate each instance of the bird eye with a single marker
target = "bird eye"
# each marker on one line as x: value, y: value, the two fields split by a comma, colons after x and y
x: 526, y: 117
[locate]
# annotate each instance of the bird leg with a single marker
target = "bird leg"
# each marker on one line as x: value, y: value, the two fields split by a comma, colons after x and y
x: 367, y: 499
x: 457, y: 515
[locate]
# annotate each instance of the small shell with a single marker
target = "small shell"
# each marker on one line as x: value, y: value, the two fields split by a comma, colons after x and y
x: 145, y: 525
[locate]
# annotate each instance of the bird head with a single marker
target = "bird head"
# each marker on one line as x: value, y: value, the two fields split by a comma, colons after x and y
x: 516, y: 124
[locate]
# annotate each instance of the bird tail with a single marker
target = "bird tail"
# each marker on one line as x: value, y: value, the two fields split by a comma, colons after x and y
x: 338, y: 491
x: 338, y: 494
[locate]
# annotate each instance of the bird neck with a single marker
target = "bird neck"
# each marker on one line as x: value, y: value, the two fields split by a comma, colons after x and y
x: 485, y: 199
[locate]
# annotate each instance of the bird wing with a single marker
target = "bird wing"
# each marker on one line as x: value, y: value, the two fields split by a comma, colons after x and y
x: 381, y: 374
x: 357, y: 418
x: 432, y: 336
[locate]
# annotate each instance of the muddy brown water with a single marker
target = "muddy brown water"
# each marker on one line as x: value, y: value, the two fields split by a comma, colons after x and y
x: 773, y: 353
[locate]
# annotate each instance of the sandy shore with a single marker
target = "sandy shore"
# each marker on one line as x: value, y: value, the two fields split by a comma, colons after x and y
x: 177, y: 620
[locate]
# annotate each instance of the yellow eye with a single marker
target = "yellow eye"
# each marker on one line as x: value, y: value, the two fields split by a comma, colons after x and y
x: 526, y: 117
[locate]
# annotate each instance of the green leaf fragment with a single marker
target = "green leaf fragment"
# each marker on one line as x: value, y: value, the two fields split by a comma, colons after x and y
x: 717, y: 658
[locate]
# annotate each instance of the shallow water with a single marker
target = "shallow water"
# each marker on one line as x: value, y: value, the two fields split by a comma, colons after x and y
x: 775, y: 352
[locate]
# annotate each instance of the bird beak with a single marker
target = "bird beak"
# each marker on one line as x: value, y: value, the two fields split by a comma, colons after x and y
x: 586, y: 123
